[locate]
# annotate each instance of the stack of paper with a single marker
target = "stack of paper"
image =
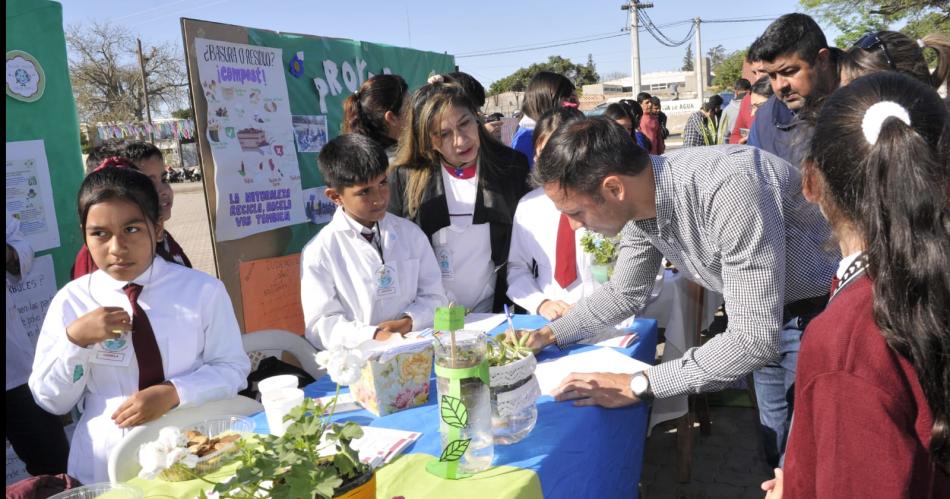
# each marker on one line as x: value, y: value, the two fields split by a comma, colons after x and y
x: 601, y: 360
x: 378, y: 446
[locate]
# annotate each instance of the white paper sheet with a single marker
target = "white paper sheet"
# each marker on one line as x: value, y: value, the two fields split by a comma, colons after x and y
x: 602, y: 360
x: 483, y: 321
x: 30, y: 193
x: 379, y: 446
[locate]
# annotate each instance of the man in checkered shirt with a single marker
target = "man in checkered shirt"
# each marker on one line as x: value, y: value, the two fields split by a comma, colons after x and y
x: 733, y: 219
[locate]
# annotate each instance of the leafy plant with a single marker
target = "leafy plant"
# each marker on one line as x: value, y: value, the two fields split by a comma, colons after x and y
x: 603, y: 249
x: 313, y: 458
x: 505, y: 352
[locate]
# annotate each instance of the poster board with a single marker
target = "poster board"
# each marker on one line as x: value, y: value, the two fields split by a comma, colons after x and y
x: 270, y: 289
x: 319, y: 73
x: 41, y: 122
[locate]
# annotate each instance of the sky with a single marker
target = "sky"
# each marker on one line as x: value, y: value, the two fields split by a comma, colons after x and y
x: 458, y: 28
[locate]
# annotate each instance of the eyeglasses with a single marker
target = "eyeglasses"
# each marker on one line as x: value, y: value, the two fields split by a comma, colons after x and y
x: 871, y: 41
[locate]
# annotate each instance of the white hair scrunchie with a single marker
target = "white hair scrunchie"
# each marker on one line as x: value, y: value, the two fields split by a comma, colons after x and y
x: 435, y: 79
x: 920, y: 43
x: 876, y: 114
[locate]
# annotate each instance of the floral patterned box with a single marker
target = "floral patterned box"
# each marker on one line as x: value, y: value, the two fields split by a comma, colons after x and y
x: 399, y: 383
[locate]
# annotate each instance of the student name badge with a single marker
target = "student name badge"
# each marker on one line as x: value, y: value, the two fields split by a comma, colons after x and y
x: 385, y: 281
x: 115, y: 351
x: 443, y: 256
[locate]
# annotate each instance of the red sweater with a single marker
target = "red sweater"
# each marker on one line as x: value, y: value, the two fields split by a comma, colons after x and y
x: 743, y: 119
x: 861, y: 425
x: 650, y: 126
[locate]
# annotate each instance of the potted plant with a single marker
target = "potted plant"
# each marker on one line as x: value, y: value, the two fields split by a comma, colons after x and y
x: 313, y: 458
x: 513, y: 389
x: 604, y: 253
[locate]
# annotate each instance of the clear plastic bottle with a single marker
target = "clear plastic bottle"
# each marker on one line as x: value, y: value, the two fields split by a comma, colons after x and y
x: 470, y: 350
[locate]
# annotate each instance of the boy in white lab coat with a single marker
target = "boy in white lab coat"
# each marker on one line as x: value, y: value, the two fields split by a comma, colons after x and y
x: 368, y: 274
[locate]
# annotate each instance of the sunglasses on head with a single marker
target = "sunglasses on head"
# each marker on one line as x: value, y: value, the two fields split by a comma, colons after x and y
x: 871, y: 41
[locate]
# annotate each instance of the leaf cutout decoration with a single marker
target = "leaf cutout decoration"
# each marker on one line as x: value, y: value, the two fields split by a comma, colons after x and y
x: 455, y: 450
x: 454, y: 412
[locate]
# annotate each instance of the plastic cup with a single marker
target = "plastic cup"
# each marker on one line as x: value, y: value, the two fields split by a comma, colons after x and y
x: 274, y: 383
x: 277, y: 404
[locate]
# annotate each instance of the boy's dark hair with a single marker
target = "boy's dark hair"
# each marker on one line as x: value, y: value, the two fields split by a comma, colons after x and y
x: 791, y: 33
x: 581, y: 154
x: 470, y: 85
x: 103, y: 150
x: 140, y: 150
x: 763, y: 87
x: 642, y: 96
x: 117, y: 183
x: 351, y: 159
x: 742, y: 85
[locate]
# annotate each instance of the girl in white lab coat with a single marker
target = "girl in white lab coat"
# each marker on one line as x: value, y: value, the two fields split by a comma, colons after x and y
x: 137, y: 337
x: 368, y: 274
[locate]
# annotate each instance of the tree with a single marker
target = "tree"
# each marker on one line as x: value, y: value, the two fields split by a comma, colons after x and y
x: 728, y: 70
x: 107, y: 81
x: 183, y: 114
x: 613, y: 75
x: 854, y: 18
x: 716, y: 55
x: 518, y: 81
x: 688, y: 59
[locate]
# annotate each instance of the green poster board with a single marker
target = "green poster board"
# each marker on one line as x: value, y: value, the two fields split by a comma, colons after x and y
x: 35, y: 27
x: 332, y: 69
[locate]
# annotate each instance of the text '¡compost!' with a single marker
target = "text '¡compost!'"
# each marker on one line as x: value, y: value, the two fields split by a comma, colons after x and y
x: 261, y: 207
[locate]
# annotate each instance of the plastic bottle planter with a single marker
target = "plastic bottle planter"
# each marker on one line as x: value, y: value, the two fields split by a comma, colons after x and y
x: 601, y: 272
x: 464, y: 405
x: 514, y: 393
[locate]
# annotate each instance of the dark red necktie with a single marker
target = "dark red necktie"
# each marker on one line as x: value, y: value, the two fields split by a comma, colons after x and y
x: 835, y: 282
x: 565, y: 258
x: 147, y: 353
x: 368, y: 236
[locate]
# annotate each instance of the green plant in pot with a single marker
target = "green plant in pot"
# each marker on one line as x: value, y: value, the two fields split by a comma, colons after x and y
x: 603, y: 250
x: 314, y: 457
x: 514, y: 389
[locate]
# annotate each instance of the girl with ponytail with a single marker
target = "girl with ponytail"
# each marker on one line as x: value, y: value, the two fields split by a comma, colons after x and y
x: 375, y: 110
x: 872, y: 392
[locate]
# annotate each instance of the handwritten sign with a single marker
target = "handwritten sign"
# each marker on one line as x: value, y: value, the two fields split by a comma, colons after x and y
x: 32, y: 295
x: 270, y: 289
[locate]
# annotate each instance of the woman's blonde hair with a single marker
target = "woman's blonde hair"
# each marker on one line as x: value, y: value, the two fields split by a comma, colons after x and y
x: 417, y: 152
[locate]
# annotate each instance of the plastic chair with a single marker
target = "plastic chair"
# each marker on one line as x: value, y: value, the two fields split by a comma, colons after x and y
x: 124, y: 460
x: 285, y: 341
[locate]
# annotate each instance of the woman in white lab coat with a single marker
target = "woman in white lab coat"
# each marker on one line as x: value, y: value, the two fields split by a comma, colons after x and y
x: 137, y: 337
x: 461, y: 187
x: 368, y: 274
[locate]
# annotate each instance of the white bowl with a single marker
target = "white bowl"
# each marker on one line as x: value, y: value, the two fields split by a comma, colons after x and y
x: 115, y: 490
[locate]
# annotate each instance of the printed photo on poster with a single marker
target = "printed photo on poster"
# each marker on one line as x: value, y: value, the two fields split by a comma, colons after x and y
x: 251, y: 136
x: 318, y: 206
x: 30, y: 193
x: 310, y: 132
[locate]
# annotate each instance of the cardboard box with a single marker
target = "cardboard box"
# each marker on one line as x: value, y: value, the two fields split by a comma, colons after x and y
x: 398, y: 383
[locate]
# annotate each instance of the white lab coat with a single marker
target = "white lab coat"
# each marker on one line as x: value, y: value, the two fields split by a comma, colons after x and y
x: 534, y: 240
x: 20, y: 349
x: 338, y: 282
x: 197, y: 334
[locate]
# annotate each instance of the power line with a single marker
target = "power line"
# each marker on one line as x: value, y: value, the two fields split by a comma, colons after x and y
x: 531, y: 45
x: 539, y: 48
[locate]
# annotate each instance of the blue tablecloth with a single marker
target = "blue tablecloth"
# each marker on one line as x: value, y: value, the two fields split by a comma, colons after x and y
x: 575, y: 451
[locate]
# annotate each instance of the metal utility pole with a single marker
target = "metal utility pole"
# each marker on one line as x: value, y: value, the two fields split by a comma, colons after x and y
x: 635, y: 41
x: 148, y: 110
x: 699, y: 65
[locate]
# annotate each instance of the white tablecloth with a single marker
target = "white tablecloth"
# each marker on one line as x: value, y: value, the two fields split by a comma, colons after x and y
x: 675, y: 308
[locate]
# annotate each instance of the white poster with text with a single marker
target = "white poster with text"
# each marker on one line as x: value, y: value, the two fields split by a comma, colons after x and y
x: 30, y: 193
x: 251, y: 135
x: 32, y: 293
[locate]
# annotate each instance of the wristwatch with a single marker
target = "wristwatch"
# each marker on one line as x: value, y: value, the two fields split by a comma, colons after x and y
x: 640, y: 386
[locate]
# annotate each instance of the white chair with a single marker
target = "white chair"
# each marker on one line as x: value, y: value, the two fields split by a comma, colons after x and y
x: 284, y: 341
x: 124, y: 461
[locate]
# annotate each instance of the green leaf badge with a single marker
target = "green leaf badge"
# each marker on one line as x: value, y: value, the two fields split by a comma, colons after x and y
x: 455, y: 450
x: 77, y: 373
x: 454, y: 412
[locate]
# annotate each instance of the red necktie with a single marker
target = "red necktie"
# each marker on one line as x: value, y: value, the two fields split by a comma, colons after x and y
x: 565, y: 263
x: 368, y: 236
x: 834, y: 284
x: 147, y: 353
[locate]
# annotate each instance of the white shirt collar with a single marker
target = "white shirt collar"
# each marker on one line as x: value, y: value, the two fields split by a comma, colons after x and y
x: 527, y: 123
x: 846, y: 262
x: 150, y: 274
x: 344, y: 221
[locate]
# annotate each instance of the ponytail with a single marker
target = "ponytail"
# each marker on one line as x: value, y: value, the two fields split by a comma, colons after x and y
x: 351, y: 114
x: 364, y: 112
x: 941, y: 45
x: 881, y: 146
